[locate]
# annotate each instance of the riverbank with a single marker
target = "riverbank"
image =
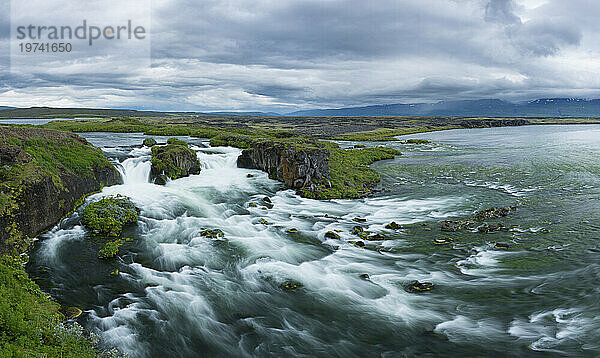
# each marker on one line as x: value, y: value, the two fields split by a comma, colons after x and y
x: 44, y: 176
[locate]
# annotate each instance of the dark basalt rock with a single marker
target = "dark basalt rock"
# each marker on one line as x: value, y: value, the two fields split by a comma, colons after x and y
x: 450, y: 225
x: 332, y: 235
x: 375, y: 237
x: 393, y: 226
x: 173, y: 161
x: 492, y: 227
x: 494, y: 213
x: 213, y: 234
x: 298, y: 167
x: 40, y: 199
x: 418, y: 287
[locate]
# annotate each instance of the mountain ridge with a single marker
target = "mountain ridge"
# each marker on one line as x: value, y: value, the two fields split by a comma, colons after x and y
x: 543, y: 107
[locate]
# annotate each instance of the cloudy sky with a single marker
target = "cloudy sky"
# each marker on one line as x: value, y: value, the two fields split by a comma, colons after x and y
x: 285, y: 55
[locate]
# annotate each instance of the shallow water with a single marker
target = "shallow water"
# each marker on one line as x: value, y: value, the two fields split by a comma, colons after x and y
x: 35, y: 121
x: 182, y: 295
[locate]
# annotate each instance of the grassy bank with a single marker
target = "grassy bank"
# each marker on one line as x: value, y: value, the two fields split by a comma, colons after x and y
x: 31, y: 324
x: 350, y: 174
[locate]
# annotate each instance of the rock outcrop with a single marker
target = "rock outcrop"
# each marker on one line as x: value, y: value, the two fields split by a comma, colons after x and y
x: 44, y: 175
x: 173, y: 161
x: 489, y: 123
x: 298, y: 167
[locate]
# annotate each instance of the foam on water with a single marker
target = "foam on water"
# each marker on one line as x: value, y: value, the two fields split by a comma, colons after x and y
x: 179, y: 293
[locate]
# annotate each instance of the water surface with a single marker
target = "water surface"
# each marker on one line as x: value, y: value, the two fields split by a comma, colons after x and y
x: 183, y: 295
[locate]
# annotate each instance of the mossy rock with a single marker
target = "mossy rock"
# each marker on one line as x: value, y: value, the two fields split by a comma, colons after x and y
x: 494, y: 213
x: 332, y: 235
x: 213, y: 234
x: 263, y: 221
x: 173, y: 161
x: 149, y: 142
x: 110, y: 249
x: 110, y: 215
x: 292, y: 231
x: 393, y: 226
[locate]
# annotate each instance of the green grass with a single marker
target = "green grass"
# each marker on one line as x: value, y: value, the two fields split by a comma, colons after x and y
x: 40, y: 158
x: 389, y: 134
x: 30, y: 324
x: 109, y: 216
x: 350, y: 175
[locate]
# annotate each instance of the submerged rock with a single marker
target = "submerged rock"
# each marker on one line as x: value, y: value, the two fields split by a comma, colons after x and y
x: 450, y: 225
x: 213, y: 234
x: 173, y: 161
x: 249, y: 176
x: 359, y: 243
x: 393, y: 226
x: 252, y: 205
x: 332, y: 235
x: 417, y: 287
x: 108, y: 216
x: 291, y: 285
x: 110, y: 249
x: 492, y: 227
x: 360, y: 220
x: 263, y: 221
x: 375, y: 237
x: 494, y: 213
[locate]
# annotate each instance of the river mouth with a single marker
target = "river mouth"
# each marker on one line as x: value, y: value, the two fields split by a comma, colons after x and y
x: 179, y: 294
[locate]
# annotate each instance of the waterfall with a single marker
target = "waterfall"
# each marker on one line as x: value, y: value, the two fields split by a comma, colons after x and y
x: 135, y: 170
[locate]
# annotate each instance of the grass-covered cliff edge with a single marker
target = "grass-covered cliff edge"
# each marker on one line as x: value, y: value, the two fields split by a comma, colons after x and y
x: 44, y: 175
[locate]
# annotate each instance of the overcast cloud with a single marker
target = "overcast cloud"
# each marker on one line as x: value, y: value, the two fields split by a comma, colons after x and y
x: 284, y: 55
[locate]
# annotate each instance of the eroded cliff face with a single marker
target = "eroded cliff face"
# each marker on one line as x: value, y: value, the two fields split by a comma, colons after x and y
x: 44, y: 175
x: 298, y: 167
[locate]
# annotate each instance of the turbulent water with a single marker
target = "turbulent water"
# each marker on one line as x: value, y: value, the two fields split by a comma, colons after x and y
x: 183, y: 295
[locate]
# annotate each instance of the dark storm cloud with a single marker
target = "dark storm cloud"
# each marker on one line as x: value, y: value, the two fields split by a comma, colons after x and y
x: 280, y: 55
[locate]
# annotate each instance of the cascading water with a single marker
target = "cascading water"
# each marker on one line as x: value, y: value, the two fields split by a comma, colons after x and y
x: 180, y: 294
x: 136, y: 170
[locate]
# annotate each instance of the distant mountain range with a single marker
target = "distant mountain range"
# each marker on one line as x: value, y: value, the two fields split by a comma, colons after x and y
x: 545, y: 107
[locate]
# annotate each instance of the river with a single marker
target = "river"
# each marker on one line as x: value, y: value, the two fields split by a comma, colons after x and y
x: 179, y: 294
